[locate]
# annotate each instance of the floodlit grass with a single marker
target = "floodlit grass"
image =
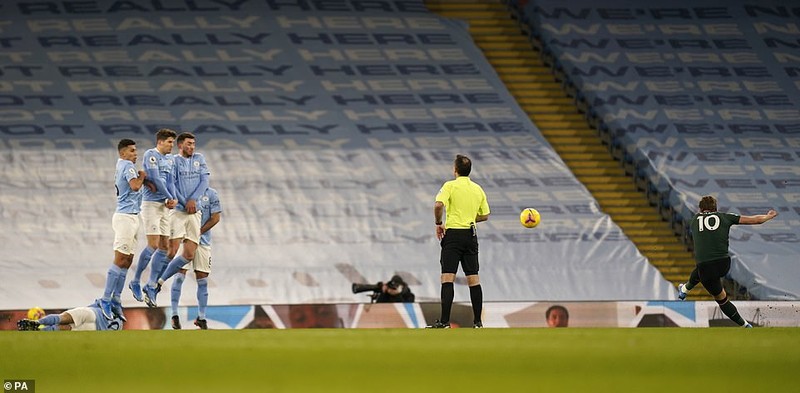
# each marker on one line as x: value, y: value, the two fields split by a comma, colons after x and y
x: 407, y: 360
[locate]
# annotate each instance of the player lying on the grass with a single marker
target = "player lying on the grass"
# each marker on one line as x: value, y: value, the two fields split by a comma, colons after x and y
x: 78, y: 318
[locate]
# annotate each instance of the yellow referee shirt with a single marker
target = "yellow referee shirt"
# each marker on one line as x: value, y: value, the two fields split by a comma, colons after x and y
x: 463, y: 200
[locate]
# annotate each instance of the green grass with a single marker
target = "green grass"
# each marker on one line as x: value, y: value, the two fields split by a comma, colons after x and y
x: 405, y: 360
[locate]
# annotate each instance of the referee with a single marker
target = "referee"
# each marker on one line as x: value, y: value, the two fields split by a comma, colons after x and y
x: 465, y: 203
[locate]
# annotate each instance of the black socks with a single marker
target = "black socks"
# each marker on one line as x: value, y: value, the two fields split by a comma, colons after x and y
x: 447, y: 301
x: 476, y: 296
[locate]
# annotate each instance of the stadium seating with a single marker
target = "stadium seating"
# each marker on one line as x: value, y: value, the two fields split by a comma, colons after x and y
x: 695, y: 97
x: 328, y: 127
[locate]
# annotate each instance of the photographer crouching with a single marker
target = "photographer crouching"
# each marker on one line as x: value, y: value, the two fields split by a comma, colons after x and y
x: 394, y: 291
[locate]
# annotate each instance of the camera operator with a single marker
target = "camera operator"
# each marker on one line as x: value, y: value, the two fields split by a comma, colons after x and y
x: 393, y: 291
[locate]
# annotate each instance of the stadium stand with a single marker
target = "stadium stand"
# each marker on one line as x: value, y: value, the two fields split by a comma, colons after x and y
x: 694, y: 97
x: 328, y: 128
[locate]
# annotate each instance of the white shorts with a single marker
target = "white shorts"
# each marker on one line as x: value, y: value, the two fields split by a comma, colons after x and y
x: 156, y: 217
x: 126, y: 232
x: 186, y: 226
x: 201, y: 261
x: 83, y: 318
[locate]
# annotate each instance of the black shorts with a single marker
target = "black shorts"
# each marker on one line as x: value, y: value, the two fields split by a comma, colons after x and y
x: 460, y: 245
x: 711, y: 272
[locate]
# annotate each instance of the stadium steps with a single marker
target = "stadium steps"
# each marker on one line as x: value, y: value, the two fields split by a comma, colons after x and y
x: 507, y: 48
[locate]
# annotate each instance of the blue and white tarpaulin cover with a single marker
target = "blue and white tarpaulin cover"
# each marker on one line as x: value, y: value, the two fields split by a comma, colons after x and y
x: 704, y: 97
x: 328, y: 128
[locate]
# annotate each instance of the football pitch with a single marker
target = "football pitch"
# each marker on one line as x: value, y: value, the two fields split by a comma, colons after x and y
x: 407, y: 360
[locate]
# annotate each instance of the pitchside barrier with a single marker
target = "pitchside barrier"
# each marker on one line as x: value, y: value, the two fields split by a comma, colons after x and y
x: 496, y: 315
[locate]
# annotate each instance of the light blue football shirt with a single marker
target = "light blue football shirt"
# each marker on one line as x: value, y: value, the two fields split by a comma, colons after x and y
x: 191, y: 178
x: 159, y: 168
x: 208, y: 204
x: 128, y: 201
x: 101, y: 323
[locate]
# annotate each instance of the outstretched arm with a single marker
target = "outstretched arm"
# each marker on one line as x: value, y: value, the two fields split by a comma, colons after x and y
x: 759, y: 219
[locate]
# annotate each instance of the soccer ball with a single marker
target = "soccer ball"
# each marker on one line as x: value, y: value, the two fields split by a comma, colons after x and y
x: 529, y: 217
x: 36, y: 313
